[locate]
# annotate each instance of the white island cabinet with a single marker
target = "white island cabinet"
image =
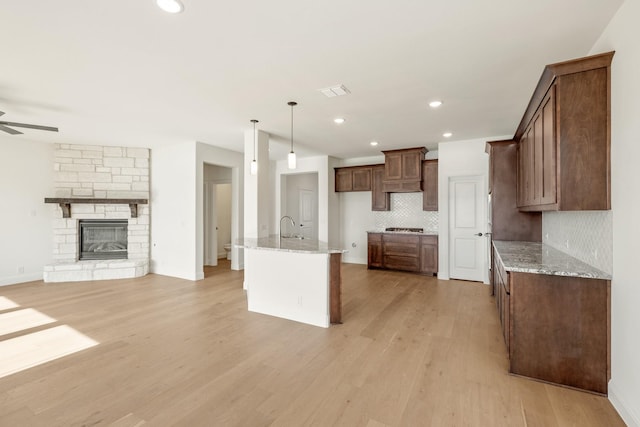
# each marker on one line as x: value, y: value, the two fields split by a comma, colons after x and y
x: 296, y: 279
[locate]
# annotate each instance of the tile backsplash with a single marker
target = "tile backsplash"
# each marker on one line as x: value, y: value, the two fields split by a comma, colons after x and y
x: 586, y: 235
x: 406, y: 211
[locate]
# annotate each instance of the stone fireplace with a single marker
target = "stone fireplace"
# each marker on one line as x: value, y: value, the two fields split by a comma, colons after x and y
x: 110, y: 175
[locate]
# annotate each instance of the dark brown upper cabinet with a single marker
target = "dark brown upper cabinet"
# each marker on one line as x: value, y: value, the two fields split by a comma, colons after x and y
x: 564, y: 138
x: 430, y: 185
x: 380, y: 201
x: 507, y: 221
x: 353, y: 178
x: 403, y: 170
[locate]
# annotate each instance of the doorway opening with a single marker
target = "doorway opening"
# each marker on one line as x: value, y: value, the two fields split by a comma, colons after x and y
x: 217, y: 217
x: 299, y: 200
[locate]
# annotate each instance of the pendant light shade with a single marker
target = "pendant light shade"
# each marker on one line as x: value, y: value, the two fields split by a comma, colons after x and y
x: 170, y: 6
x: 291, y: 158
x: 254, y: 164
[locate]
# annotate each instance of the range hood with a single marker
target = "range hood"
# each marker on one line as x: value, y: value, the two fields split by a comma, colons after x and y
x: 403, y: 170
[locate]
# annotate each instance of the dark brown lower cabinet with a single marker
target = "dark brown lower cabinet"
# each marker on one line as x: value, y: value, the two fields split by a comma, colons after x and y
x: 374, y: 250
x: 556, y: 328
x: 401, y: 252
x: 405, y: 252
x: 428, y: 254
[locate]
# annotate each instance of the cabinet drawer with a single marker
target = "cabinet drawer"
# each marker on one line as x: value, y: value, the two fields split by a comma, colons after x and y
x: 397, y: 262
x: 402, y: 238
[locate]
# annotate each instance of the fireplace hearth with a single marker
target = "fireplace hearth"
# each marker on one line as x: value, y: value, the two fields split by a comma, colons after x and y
x: 102, y: 239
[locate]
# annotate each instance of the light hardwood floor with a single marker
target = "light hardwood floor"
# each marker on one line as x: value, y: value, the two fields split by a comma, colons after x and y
x: 413, y: 351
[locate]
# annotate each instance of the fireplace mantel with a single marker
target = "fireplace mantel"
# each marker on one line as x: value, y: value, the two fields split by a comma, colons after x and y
x: 66, y: 202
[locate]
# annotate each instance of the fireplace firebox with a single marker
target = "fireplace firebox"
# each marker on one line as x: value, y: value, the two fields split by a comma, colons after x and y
x: 103, y: 239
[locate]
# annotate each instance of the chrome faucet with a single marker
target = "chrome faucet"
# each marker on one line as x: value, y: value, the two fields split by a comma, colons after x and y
x: 293, y: 225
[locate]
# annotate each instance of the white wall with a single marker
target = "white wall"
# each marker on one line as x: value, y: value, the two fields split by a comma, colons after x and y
x: 257, y: 188
x: 26, y: 178
x: 206, y: 153
x: 177, y: 224
x: 457, y: 158
x: 622, y: 35
x: 327, y: 205
x: 291, y: 197
x: 173, y: 211
x: 223, y: 210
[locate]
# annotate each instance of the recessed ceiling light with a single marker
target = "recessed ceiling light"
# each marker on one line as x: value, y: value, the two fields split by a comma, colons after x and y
x: 373, y: 143
x: 447, y: 134
x: 339, y: 120
x: 435, y: 104
x: 170, y: 6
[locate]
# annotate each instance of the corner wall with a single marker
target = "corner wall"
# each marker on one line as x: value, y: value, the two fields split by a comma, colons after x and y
x: 173, y: 211
x: 457, y: 158
x: 26, y: 178
x: 621, y: 35
x: 177, y: 220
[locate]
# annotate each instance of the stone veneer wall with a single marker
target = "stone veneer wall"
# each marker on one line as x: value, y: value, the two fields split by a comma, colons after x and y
x: 99, y: 172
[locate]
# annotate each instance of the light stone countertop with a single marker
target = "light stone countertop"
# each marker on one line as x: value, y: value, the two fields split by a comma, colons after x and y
x: 289, y: 244
x: 538, y: 258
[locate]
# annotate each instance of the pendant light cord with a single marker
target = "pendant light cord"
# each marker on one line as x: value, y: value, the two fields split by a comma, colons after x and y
x: 254, y: 121
x: 293, y: 104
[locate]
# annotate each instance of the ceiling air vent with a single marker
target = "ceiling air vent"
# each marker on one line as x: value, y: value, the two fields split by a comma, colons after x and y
x: 332, y: 91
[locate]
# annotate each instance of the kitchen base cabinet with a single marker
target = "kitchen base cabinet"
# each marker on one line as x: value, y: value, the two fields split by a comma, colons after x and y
x: 405, y: 252
x: 428, y: 254
x: 560, y: 330
x: 556, y: 328
x: 374, y: 250
x: 401, y: 252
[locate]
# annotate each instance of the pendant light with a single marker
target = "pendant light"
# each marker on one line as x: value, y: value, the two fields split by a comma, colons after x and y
x: 170, y: 6
x: 292, y: 156
x: 254, y: 163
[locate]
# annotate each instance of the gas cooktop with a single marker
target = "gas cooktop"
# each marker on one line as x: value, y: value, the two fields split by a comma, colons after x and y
x: 405, y: 229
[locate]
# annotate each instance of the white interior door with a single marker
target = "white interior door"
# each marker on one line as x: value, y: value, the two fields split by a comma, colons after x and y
x: 467, y: 222
x: 210, y: 225
x: 307, y: 202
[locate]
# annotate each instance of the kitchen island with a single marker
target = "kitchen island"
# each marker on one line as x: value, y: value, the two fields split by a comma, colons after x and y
x: 296, y: 279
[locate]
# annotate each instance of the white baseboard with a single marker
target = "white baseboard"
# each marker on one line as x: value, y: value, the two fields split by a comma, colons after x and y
x: 621, y: 405
x: 20, y: 278
x: 442, y: 276
x: 354, y: 260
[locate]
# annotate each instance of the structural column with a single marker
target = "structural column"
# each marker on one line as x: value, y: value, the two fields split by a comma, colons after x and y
x: 257, y: 191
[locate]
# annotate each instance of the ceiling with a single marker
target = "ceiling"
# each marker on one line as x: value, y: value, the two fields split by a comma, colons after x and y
x: 123, y: 72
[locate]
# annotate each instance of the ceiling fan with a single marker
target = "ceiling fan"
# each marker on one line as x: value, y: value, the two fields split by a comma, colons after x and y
x: 4, y: 126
